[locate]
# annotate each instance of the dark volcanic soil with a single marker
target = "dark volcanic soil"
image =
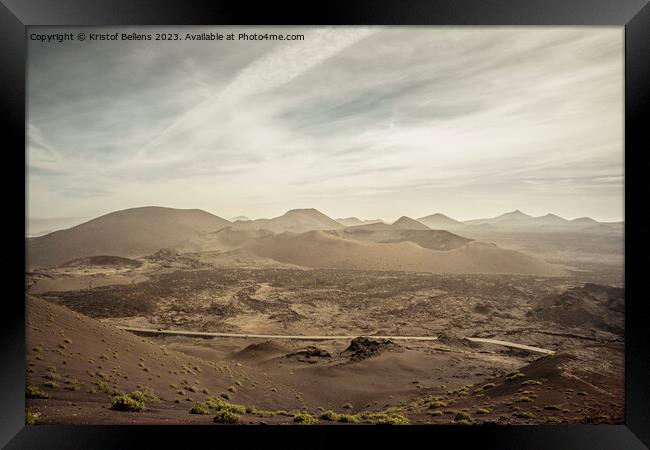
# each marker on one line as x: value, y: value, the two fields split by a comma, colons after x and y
x: 79, y: 362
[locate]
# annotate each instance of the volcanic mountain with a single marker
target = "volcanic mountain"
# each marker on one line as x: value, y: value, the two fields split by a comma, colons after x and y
x: 440, y: 222
x: 519, y: 221
x: 128, y: 233
x: 354, y: 221
x: 295, y: 220
x: 403, y: 223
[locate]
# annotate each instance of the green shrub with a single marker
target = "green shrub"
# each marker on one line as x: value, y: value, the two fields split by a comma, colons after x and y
x: 259, y: 412
x: 222, y: 405
x: 384, y: 418
x: 483, y: 411
x: 463, y: 416
x: 304, y: 418
x: 226, y: 416
x: 199, y: 408
x: 348, y: 418
x: 32, y: 391
x: 145, y: 394
x: 51, y: 384
x: 524, y: 414
x: 513, y: 375
x: 30, y: 418
x: 330, y: 415
x: 124, y: 402
x: 435, y: 412
x: 71, y: 385
x: 437, y: 404
x: 52, y: 376
x: 488, y: 386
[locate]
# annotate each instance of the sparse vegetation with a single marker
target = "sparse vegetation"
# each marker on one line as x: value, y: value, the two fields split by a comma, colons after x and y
x: 330, y: 415
x: 226, y: 416
x: 35, y: 392
x: 31, y: 418
x: 71, y: 384
x: 219, y: 404
x: 513, y: 375
x: 463, y: 418
x: 199, y: 408
x: 531, y: 382
x: 461, y: 391
x: 304, y: 418
x: 436, y: 403
x: 348, y: 418
x: 127, y: 402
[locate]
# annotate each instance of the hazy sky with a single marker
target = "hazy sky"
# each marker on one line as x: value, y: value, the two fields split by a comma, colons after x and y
x: 371, y: 122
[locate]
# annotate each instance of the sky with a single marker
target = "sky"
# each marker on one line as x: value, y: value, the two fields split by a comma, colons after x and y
x: 372, y: 122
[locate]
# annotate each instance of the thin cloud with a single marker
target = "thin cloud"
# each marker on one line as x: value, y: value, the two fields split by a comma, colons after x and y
x: 355, y: 121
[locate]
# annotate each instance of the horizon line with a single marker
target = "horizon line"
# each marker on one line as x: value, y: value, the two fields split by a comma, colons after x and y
x: 331, y: 216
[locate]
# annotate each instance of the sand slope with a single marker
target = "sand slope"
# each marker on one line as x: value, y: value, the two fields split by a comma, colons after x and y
x: 327, y: 250
x: 128, y: 233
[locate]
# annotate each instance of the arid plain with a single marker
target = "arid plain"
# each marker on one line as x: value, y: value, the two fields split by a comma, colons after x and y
x: 160, y: 315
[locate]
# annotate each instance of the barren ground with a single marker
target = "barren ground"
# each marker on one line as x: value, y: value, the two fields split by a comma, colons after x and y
x: 425, y: 382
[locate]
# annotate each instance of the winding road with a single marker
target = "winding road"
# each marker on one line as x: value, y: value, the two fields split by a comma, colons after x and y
x: 205, y: 334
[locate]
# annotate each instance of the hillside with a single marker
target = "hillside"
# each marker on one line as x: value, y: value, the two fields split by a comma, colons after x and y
x: 127, y: 233
x: 88, y: 360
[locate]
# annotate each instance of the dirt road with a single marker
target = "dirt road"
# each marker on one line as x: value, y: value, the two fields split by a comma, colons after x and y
x: 204, y: 334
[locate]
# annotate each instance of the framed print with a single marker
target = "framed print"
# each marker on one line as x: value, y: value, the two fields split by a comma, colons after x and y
x: 368, y: 218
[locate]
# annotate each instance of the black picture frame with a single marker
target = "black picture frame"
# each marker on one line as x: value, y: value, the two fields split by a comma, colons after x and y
x: 16, y: 15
